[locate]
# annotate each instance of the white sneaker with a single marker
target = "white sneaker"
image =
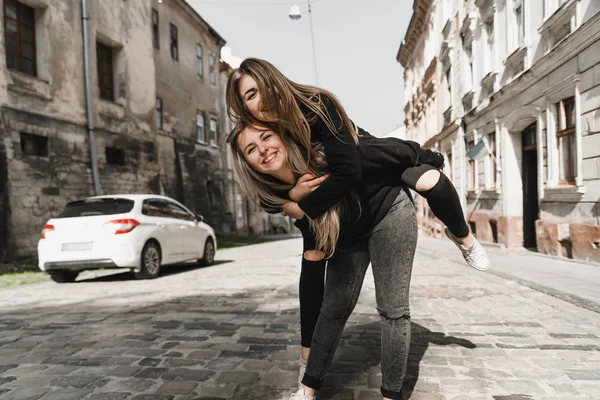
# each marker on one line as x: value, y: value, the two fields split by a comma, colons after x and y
x: 475, y: 256
x: 302, y: 371
x: 299, y: 395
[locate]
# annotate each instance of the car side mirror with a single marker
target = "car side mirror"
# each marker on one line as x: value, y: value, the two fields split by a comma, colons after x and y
x: 199, y: 218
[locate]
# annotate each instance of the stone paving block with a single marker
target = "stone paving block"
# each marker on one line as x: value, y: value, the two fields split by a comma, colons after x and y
x: 284, y: 355
x: 520, y: 386
x: 7, y: 379
x: 184, y: 374
x: 124, y: 371
x: 28, y: 381
x: 238, y: 377
x: 258, y: 365
x: 109, y: 396
x: 131, y: 385
x: 203, y: 355
x: 181, y: 362
x: 26, y: 393
x: 151, y: 373
x: 28, y: 370
x: 236, y: 347
x: 146, y: 352
x: 149, y: 362
x: 285, y: 379
x: 66, y: 394
x: 583, y: 375
x: 121, y: 361
x: 173, y: 354
x: 79, y: 381
x: 177, y: 388
x: 222, y: 364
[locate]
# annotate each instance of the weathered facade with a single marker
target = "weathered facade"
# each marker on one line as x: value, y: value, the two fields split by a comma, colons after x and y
x: 525, y: 76
x: 45, y: 157
x: 188, y: 122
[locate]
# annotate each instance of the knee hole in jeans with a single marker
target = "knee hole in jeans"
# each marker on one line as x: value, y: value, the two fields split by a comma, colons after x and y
x: 395, y: 314
x: 314, y: 255
x: 428, y: 180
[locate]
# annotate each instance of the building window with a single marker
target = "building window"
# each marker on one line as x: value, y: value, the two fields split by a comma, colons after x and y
x: 565, y: 136
x: 472, y: 181
x: 114, y: 156
x: 155, y: 30
x: 159, y: 113
x: 520, y: 20
x: 468, y: 48
x: 19, y: 28
x: 174, y: 42
x: 550, y: 6
x: 211, y: 69
x: 213, y: 132
x: 104, y: 59
x: 34, y: 145
x: 447, y: 101
x: 491, y: 180
x: 199, y: 65
x: 200, y: 136
x: 489, y: 31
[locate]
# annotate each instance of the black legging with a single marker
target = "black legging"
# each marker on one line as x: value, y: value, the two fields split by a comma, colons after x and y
x: 444, y: 203
x: 442, y: 199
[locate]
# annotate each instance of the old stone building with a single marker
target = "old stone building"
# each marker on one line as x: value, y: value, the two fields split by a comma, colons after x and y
x: 153, y: 102
x: 188, y: 113
x: 523, y: 75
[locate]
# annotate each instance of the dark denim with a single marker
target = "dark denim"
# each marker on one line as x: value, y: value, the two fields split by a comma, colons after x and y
x: 390, y: 248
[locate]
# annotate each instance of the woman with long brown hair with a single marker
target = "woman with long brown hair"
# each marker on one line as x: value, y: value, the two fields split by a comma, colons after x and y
x: 374, y: 223
x: 258, y: 93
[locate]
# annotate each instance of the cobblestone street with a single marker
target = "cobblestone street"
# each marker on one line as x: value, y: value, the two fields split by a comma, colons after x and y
x: 231, y: 331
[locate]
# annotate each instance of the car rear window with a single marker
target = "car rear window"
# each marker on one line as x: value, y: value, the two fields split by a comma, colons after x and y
x: 91, y: 207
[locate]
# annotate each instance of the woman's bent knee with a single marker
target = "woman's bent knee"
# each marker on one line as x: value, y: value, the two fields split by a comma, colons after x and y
x: 314, y: 255
x: 395, y: 313
x: 428, y: 180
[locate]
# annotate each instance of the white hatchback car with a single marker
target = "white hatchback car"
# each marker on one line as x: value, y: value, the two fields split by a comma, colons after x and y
x: 140, y: 232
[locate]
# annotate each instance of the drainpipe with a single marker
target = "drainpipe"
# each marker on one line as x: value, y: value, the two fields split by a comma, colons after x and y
x: 88, y: 97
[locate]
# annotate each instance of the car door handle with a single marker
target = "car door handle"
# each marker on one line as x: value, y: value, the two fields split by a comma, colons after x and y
x: 183, y: 228
x: 160, y: 225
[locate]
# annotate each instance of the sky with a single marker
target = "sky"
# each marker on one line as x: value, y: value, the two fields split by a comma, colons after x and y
x: 356, y: 43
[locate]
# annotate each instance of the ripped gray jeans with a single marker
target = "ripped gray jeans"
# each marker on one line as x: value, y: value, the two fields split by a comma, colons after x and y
x: 390, y: 248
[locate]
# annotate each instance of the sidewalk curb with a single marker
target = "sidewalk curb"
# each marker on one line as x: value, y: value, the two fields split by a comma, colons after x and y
x: 523, y: 251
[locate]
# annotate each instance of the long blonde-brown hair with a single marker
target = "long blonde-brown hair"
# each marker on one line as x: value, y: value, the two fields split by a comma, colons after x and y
x: 281, y: 98
x: 264, y: 188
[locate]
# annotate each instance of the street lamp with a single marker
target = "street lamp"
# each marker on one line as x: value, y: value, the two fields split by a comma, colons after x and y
x: 295, y: 14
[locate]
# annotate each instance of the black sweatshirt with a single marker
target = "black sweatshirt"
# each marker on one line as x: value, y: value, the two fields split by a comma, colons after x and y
x: 371, y: 170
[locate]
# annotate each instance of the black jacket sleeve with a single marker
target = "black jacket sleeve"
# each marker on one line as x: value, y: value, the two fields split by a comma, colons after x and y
x: 343, y: 160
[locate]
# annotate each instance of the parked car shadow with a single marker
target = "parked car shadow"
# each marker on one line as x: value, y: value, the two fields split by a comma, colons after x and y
x: 126, y: 275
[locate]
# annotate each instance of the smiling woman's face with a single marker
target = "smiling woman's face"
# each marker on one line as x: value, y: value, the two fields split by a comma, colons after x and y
x: 248, y: 91
x: 263, y: 149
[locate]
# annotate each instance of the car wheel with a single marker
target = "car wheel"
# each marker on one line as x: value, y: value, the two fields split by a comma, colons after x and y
x: 63, y: 276
x: 209, y: 253
x: 150, y: 262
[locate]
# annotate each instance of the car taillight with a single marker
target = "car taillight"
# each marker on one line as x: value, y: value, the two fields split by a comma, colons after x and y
x: 47, y: 228
x: 122, y: 225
